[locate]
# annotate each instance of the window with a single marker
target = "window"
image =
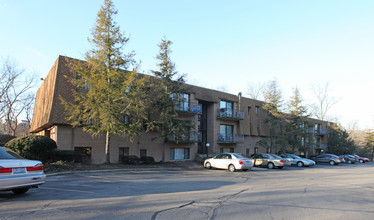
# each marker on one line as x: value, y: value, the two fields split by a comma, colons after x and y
x: 247, y: 152
x: 82, y: 154
x: 226, y: 133
x: 317, y: 127
x: 226, y: 109
x: 249, y: 111
x: 143, y: 152
x: 122, y: 153
x: 226, y: 150
x: 256, y: 150
x: 302, y: 141
x: 179, y: 153
x: 181, y: 101
x: 257, y: 108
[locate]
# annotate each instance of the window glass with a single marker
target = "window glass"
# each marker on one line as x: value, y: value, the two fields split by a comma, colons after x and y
x: 6, y: 153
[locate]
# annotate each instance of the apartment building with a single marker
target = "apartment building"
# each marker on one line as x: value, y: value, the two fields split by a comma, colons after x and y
x: 223, y: 123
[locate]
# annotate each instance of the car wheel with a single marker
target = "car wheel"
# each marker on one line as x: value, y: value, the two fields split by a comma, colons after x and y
x: 208, y: 165
x: 270, y: 166
x: 20, y: 190
x: 300, y: 164
x: 349, y: 161
x: 232, y: 168
x: 332, y: 162
x: 361, y: 161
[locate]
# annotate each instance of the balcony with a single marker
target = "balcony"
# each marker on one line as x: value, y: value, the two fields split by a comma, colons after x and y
x: 188, y: 108
x: 323, y: 146
x: 230, y: 114
x: 229, y: 139
x: 188, y: 138
x: 320, y: 132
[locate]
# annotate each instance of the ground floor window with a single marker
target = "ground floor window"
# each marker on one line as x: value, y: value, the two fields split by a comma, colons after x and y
x: 82, y: 154
x: 227, y: 150
x: 256, y: 150
x: 143, y: 153
x: 179, y: 153
x: 122, y: 153
x: 247, y: 152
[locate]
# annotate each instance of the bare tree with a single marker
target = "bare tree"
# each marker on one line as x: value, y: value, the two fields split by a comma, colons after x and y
x: 256, y: 90
x: 324, y: 101
x: 222, y: 88
x: 15, y: 94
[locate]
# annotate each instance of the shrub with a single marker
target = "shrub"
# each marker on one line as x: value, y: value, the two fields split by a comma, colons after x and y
x: 64, y: 155
x: 34, y: 147
x: 131, y: 159
x: 147, y: 160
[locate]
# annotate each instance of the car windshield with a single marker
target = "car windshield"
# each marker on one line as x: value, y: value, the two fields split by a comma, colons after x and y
x: 275, y: 156
x: 296, y: 157
x: 6, y: 153
x: 239, y: 156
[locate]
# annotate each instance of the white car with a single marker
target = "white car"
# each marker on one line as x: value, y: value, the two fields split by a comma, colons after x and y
x: 299, y: 161
x: 230, y: 161
x: 18, y: 174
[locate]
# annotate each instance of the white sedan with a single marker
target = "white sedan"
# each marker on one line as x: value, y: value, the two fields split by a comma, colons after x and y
x: 230, y: 161
x: 18, y: 174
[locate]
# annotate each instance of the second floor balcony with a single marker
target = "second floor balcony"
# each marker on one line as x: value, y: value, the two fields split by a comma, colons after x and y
x: 230, y: 114
x: 230, y: 139
x: 188, y: 108
x: 320, y: 131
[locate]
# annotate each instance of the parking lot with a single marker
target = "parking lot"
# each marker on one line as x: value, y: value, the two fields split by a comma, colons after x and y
x: 321, y: 192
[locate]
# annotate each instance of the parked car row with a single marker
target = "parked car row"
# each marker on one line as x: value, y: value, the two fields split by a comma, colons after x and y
x: 18, y: 174
x: 235, y: 161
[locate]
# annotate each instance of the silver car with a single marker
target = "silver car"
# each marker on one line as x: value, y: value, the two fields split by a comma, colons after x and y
x: 299, y: 161
x: 270, y: 161
x: 230, y: 161
x: 18, y: 174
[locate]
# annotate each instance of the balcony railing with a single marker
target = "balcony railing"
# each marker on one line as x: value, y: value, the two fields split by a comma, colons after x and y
x: 190, y: 138
x: 188, y: 108
x: 320, y: 132
x: 224, y: 138
x: 230, y: 114
x: 323, y: 146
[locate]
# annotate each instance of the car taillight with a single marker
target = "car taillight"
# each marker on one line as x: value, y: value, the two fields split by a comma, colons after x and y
x: 241, y: 162
x: 340, y: 158
x: 282, y: 161
x: 38, y: 166
x: 5, y: 170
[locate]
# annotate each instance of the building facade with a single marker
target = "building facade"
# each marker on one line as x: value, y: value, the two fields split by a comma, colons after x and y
x: 223, y: 123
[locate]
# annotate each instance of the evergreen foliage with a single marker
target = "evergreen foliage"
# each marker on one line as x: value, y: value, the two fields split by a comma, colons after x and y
x: 109, y: 99
x: 165, y: 90
x: 34, y: 147
x: 339, y: 141
x: 370, y: 143
x: 276, y: 141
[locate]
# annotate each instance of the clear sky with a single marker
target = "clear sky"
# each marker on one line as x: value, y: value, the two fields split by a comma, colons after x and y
x: 217, y: 43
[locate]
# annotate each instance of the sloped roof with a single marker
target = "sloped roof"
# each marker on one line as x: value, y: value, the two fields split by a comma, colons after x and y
x: 48, y: 108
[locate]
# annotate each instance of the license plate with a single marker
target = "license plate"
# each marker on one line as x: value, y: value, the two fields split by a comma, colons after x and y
x: 19, y: 170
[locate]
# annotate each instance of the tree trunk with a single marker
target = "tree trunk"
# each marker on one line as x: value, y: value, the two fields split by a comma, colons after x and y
x: 107, y: 147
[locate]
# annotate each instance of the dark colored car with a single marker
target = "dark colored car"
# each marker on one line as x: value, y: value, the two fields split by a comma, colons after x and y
x: 327, y: 158
x: 361, y: 159
x: 348, y: 158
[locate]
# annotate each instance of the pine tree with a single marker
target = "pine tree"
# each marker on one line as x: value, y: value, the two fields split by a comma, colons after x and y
x: 109, y: 99
x: 273, y: 103
x: 166, y: 88
x: 297, y: 123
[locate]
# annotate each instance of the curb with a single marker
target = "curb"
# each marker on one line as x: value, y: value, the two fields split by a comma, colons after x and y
x: 114, y: 170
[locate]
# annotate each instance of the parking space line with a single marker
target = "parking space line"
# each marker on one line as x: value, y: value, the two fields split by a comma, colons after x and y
x: 70, y: 190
